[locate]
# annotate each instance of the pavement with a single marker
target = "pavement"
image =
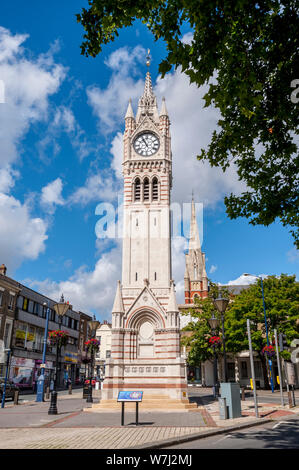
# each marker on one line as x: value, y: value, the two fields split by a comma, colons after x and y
x: 28, y: 425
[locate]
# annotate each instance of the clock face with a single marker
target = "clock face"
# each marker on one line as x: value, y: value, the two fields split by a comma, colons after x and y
x: 146, y: 144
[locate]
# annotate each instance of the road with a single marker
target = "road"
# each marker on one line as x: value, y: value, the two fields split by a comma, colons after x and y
x: 282, y: 434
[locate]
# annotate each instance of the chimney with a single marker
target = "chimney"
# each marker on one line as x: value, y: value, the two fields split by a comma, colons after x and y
x: 3, y: 269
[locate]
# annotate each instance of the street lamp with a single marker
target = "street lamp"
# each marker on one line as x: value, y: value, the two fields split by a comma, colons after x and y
x: 41, y: 380
x: 265, y: 318
x: 93, y: 325
x: 214, y: 322
x: 221, y: 304
x: 60, y: 308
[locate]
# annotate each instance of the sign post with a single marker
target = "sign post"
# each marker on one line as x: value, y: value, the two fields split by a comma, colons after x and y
x: 279, y: 369
x: 252, y: 369
x: 128, y: 396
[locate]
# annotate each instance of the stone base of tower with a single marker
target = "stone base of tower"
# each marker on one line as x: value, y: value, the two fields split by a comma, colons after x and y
x: 163, y: 384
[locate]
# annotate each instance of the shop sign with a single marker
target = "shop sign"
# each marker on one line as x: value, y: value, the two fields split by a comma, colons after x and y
x: 22, y: 362
x: 71, y: 357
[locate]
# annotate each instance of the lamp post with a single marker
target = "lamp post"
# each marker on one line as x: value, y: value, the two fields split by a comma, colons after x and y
x: 265, y: 318
x: 41, y: 381
x: 93, y: 325
x: 214, y: 322
x: 221, y: 305
x: 60, y: 308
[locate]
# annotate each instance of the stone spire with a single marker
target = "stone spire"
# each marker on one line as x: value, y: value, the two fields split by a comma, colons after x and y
x: 163, y: 111
x: 118, y: 306
x: 147, y: 104
x: 194, y: 242
x: 129, y: 113
x: 172, y: 303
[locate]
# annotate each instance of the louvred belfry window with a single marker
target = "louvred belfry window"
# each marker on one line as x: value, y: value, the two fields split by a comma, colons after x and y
x: 137, y: 190
x: 146, y: 189
x: 155, y: 190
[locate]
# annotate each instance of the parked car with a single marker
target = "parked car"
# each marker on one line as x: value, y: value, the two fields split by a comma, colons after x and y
x: 10, y: 390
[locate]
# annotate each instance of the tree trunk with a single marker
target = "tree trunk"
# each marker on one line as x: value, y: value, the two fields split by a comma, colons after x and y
x: 265, y: 372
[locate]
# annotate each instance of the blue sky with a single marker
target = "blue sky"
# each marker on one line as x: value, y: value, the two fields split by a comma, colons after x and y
x: 60, y: 156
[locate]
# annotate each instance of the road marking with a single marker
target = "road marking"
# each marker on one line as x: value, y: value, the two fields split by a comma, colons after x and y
x: 280, y: 422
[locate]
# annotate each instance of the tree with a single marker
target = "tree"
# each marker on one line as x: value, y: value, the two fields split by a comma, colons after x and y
x: 247, y: 51
x: 197, y: 343
x: 282, y: 311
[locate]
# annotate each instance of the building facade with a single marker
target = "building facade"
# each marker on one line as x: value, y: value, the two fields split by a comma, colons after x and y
x: 23, y: 322
x: 104, y: 336
x: 9, y: 290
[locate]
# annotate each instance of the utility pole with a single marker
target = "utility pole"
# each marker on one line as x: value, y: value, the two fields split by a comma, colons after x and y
x: 252, y: 369
x: 279, y: 369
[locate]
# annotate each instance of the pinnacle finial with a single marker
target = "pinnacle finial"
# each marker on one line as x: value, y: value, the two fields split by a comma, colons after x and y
x: 148, y: 58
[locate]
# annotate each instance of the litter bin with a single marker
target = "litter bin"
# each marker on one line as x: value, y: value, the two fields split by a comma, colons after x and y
x: 223, y: 414
x: 231, y: 391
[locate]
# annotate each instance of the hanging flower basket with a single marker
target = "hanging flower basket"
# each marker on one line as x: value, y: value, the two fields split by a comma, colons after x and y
x: 92, y: 345
x: 59, y: 337
x: 269, y: 351
x: 214, y: 341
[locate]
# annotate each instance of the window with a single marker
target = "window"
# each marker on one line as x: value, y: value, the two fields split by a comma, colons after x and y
x: 30, y: 306
x: 10, y: 301
x: 75, y: 324
x: 20, y: 301
x: 155, y: 276
x: 40, y: 310
x: 231, y: 370
x: 136, y: 277
x: 146, y: 189
x: 258, y: 369
x: 1, y: 297
x: 155, y: 189
x: 108, y: 354
x: 137, y: 190
x: 244, y: 373
x: 35, y: 308
x: 7, y: 333
x: 25, y: 304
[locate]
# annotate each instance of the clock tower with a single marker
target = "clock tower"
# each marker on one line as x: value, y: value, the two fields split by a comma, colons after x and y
x: 145, y: 348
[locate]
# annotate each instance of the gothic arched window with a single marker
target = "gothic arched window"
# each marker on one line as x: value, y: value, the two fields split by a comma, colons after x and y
x: 146, y: 189
x: 137, y: 190
x: 155, y: 189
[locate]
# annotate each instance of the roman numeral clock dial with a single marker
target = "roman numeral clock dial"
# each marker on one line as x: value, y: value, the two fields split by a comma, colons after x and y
x: 146, y: 144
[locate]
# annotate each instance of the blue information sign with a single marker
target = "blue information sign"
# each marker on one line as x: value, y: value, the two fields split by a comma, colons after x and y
x: 129, y: 396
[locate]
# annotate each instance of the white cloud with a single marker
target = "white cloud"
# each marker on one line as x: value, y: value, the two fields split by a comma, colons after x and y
x: 51, y: 195
x: 213, y: 268
x: 98, y: 187
x: 293, y: 255
x: 7, y: 178
x: 109, y: 104
x: 28, y: 86
x: 88, y: 290
x: 243, y: 280
x: 22, y: 237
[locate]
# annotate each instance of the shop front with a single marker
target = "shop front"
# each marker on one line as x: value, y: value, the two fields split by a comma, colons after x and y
x: 22, y: 372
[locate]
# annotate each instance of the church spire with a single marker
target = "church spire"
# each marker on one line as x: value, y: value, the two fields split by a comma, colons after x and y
x: 194, y: 242
x: 147, y: 104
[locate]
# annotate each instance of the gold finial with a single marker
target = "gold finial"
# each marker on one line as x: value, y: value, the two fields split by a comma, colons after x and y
x: 148, y: 58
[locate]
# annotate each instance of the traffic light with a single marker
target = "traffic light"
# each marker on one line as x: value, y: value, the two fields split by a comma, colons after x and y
x: 282, y: 341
